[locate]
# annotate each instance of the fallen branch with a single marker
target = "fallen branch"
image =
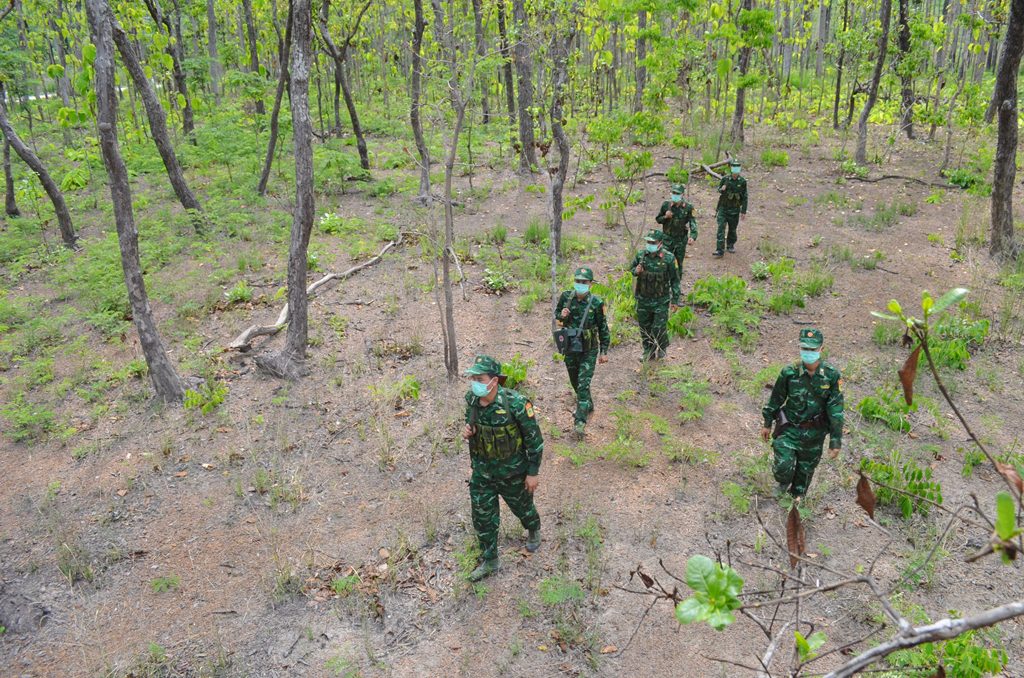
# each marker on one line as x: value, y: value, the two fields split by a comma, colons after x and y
x: 900, y: 176
x: 243, y: 340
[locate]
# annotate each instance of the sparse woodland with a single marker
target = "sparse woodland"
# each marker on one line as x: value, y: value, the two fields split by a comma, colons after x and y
x: 248, y: 249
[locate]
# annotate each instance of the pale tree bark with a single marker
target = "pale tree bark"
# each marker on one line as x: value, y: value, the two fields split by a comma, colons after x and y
x: 906, y: 78
x: 481, y: 50
x: 1004, y: 107
x: 175, y: 49
x: 839, y: 68
x: 524, y: 70
x: 10, y: 203
x: 415, y: 105
x: 824, y: 19
x: 290, y: 361
x: 284, y: 48
x: 641, y: 67
x: 60, y: 207
x: 506, y: 69
x: 559, y: 76
x: 63, y: 84
x: 861, y: 154
x: 339, y: 53
x: 211, y: 47
x: 254, y: 55
x: 741, y: 92
x: 161, y: 371
x: 157, y: 124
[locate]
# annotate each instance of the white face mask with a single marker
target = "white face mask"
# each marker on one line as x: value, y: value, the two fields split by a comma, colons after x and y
x: 735, y: 170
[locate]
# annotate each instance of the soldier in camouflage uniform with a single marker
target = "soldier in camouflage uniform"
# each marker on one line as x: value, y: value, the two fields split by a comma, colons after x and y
x: 678, y: 223
x: 572, y: 305
x: 806, y: 403
x: 505, y: 448
x: 732, y: 202
x: 657, y: 288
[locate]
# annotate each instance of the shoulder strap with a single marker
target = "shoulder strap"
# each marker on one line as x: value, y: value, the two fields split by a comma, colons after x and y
x: 583, y: 321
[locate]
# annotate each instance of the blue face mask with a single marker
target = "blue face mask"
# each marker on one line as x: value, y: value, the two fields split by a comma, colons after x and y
x: 653, y: 247
x: 735, y: 170
x: 480, y: 389
x: 676, y: 197
x: 581, y: 288
x: 810, y: 357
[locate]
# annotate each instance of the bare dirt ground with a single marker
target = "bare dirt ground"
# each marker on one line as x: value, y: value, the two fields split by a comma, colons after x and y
x: 258, y: 507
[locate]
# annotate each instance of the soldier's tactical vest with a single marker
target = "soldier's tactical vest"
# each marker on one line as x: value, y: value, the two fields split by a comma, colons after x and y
x: 496, y: 442
x: 732, y: 196
x: 677, y: 227
x: 654, y: 284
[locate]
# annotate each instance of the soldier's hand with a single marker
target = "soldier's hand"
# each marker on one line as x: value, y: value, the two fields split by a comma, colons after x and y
x: 833, y: 453
x: 531, y: 483
x: 766, y: 433
x: 468, y: 432
x: 639, y: 269
x: 602, y: 359
x: 668, y: 214
x: 691, y: 241
x: 565, y: 312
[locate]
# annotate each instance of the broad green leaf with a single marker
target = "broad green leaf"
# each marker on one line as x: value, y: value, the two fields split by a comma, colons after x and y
x: 720, y: 619
x: 692, y: 610
x: 700, y: 570
x: 88, y: 53
x: 895, y: 307
x: 1006, y: 517
x: 802, y: 646
x: 949, y: 298
x: 926, y: 303
x: 816, y: 640
x: 884, y: 316
x: 181, y: 100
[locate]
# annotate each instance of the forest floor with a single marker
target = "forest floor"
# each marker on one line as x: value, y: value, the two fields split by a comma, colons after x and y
x: 322, y: 527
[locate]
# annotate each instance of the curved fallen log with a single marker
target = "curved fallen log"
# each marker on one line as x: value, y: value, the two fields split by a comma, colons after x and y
x: 242, y: 341
x: 900, y: 176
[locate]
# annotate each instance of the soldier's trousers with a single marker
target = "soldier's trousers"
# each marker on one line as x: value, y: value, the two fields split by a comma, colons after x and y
x: 730, y: 218
x: 581, y: 371
x: 652, y: 316
x: 483, y: 497
x: 678, y: 250
x: 797, y: 453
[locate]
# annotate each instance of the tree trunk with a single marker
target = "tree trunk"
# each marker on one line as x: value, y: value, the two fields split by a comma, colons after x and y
x: 861, y: 155
x: 254, y: 55
x: 290, y: 361
x: 641, y: 66
x: 560, y: 57
x: 906, y: 77
x: 67, y: 229
x: 157, y: 123
x: 1004, y: 107
x: 340, y: 56
x: 414, y: 107
x: 481, y: 50
x: 283, y: 48
x: 353, y: 116
x: 524, y: 70
x: 63, y: 84
x: 506, y: 69
x: 211, y: 47
x: 161, y: 371
x: 10, y: 204
x: 824, y: 19
x: 787, y: 42
x: 175, y: 49
x: 839, y: 67
x: 741, y: 92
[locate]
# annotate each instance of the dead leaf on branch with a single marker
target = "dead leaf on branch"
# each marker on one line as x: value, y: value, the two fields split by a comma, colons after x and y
x: 795, y: 539
x: 1011, y: 475
x: 908, y: 373
x: 866, y: 496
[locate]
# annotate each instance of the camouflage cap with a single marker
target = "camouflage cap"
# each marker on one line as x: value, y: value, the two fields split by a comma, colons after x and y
x: 583, y: 273
x: 811, y: 339
x: 484, y: 364
x: 655, y: 236
x: 734, y: 162
x: 678, y: 188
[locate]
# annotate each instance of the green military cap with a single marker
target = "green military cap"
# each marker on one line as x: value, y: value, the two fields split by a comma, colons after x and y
x: 678, y: 188
x: 655, y: 236
x: 811, y: 339
x: 584, y: 273
x: 484, y: 364
x: 734, y: 162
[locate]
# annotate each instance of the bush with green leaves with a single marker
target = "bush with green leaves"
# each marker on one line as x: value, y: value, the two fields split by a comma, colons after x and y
x: 734, y: 307
x: 972, y: 654
x: 694, y: 393
x: 907, y: 485
x: 774, y: 158
x: 241, y: 293
x: 620, y: 308
x: 680, y: 323
x: 28, y: 421
x: 716, y: 590
x: 515, y: 370
x: 888, y: 406
x: 207, y: 397
x: 558, y: 590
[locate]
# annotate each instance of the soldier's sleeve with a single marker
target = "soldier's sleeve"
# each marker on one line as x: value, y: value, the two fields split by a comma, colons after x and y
x: 776, y: 400
x: 834, y: 406
x: 602, y: 329
x: 636, y: 262
x: 533, y: 442
x: 674, y: 276
x: 743, y: 192
x: 469, y: 405
x: 561, y: 304
x: 661, y: 218
x: 693, y: 224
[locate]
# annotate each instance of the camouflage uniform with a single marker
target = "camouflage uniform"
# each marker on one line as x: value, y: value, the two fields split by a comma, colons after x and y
x: 595, y: 337
x: 813, y: 406
x: 679, y: 229
x: 505, y: 448
x: 656, y: 288
x: 732, y: 202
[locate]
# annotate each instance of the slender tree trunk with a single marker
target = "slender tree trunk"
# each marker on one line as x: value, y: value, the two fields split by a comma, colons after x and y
x: 741, y: 92
x: 340, y: 56
x: 1004, y: 108
x: 275, y: 114
x: 211, y: 47
x: 10, y: 204
x: 787, y: 42
x: 67, y: 229
x: 906, y: 77
x: 161, y: 371
x: 861, y: 155
x: 524, y: 69
x: 824, y: 19
x: 290, y: 361
x: 254, y: 55
x: 414, y: 107
x: 481, y: 50
x: 175, y: 48
x: 353, y: 116
x: 560, y: 57
x: 157, y: 123
x: 506, y: 69
x: 641, y: 56
x: 63, y: 84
